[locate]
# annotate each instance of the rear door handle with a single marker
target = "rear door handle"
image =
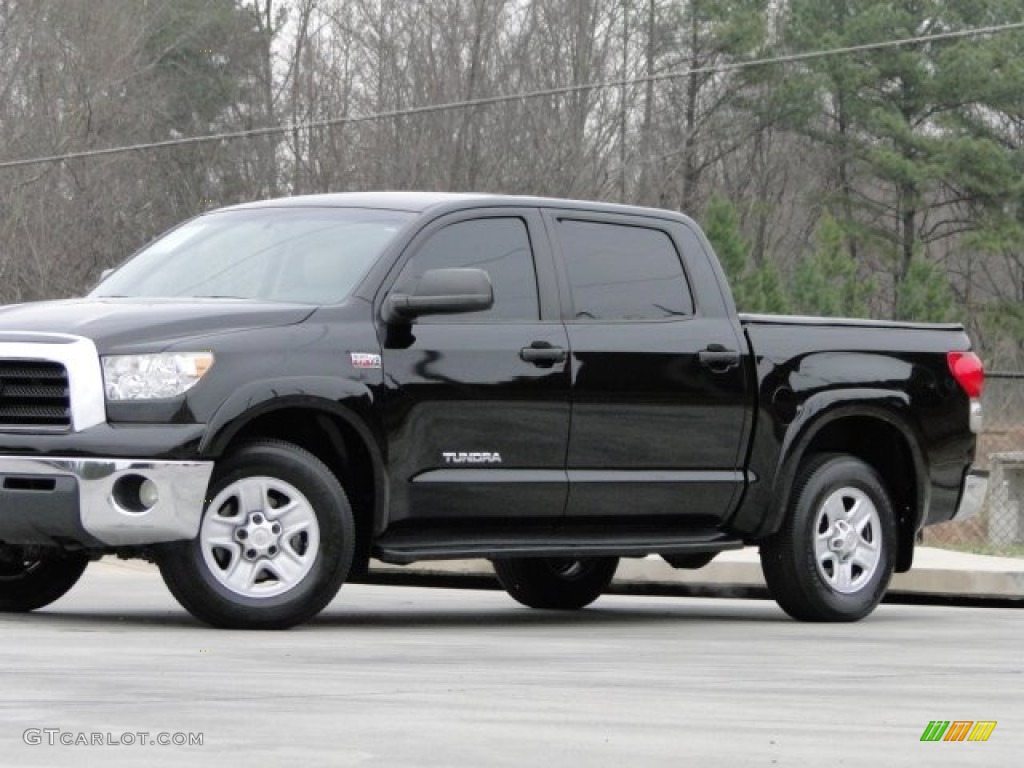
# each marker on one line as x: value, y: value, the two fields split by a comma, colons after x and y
x: 543, y: 354
x: 718, y: 359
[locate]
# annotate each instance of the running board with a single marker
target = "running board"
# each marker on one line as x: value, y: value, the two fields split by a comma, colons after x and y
x: 409, y: 547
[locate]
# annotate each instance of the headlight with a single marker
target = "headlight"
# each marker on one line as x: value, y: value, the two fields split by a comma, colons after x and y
x: 144, y: 377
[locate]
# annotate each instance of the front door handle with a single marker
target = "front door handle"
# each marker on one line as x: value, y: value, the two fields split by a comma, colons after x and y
x: 718, y: 359
x: 543, y: 354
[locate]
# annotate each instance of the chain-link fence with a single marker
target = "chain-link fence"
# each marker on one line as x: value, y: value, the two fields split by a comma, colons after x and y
x: 999, y: 528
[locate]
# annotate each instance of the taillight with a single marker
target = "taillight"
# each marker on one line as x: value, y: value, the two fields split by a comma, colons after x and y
x: 969, y: 372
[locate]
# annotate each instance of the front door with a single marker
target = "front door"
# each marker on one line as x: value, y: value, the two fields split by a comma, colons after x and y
x: 658, y: 392
x: 478, y: 409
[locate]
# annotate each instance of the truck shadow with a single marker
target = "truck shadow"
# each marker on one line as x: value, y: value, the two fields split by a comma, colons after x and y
x: 421, y: 615
x: 525, y: 617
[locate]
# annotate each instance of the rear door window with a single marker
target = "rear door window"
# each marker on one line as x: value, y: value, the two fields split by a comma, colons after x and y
x: 619, y: 273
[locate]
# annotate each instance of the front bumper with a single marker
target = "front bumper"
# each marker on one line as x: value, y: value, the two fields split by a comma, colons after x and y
x: 973, y: 496
x: 83, y: 502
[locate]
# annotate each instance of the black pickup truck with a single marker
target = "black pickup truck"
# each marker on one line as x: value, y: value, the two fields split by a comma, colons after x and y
x: 272, y: 394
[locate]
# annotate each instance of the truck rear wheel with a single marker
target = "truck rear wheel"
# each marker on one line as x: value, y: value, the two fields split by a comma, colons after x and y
x: 556, y: 583
x: 28, y: 582
x: 275, y: 544
x: 833, y: 558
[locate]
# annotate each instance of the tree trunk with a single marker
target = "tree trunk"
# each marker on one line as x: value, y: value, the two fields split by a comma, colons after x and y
x: 645, y: 194
x: 907, y: 236
x: 691, y: 172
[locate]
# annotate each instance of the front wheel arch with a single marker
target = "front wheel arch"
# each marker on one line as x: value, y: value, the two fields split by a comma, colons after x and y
x: 341, y: 437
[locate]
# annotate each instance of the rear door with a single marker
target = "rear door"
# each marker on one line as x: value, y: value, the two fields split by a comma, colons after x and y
x: 658, y: 392
x: 478, y: 403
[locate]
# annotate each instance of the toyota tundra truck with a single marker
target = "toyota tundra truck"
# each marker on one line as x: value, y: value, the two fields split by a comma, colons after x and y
x: 271, y: 395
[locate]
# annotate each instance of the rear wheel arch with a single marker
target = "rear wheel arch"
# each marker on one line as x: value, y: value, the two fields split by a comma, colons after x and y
x: 882, y: 440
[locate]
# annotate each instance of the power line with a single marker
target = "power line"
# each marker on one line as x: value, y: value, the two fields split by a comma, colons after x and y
x: 523, y: 96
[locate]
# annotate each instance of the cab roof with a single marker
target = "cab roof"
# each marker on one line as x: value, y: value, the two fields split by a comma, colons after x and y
x: 420, y: 202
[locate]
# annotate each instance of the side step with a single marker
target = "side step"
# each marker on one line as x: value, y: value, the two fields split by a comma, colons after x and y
x: 408, y: 547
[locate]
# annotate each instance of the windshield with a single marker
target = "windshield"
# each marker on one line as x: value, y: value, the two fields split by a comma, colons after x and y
x: 305, y: 255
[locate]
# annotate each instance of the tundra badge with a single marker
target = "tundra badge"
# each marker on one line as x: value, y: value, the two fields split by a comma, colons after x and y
x: 459, y: 457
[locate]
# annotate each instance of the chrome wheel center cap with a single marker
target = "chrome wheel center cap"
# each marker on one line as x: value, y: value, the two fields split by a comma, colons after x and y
x: 259, y: 537
x: 844, y: 539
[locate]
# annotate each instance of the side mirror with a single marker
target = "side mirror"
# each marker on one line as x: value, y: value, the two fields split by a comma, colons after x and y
x: 442, y: 292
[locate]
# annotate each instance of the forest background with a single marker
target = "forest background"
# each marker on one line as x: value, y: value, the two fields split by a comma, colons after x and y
x: 879, y: 181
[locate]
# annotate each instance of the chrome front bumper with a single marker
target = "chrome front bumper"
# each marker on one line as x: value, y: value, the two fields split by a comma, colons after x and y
x: 973, y: 496
x: 56, y: 500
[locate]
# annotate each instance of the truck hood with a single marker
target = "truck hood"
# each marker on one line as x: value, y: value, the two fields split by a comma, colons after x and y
x: 151, y: 324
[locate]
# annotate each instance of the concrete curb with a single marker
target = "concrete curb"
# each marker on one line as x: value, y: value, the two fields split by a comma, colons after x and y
x: 936, y: 573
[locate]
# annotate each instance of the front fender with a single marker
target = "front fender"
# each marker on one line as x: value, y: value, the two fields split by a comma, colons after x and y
x: 352, y: 401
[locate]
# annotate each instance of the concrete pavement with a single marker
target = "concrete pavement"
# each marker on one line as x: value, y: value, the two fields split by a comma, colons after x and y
x: 432, y: 678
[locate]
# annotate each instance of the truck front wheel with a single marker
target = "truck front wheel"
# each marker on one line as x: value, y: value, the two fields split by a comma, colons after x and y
x: 556, y: 583
x: 833, y: 558
x: 275, y: 544
x: 28, y: 581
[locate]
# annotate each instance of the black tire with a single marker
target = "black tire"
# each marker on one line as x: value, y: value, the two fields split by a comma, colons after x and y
x: 28, y: 583
x: 192, y: 569
x: 561, y: 584
x: 819, y: 577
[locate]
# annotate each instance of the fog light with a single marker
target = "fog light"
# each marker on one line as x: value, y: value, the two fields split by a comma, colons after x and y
x: 135, y: 494
x: 148, y: 494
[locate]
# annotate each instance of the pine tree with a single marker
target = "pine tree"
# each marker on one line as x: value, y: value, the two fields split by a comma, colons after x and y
x: 771, y: 295
x: 754, y: 290
x: 722, y: 227
x: 919, y: 156
x: 827, y: 283
x: 926, y: 294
